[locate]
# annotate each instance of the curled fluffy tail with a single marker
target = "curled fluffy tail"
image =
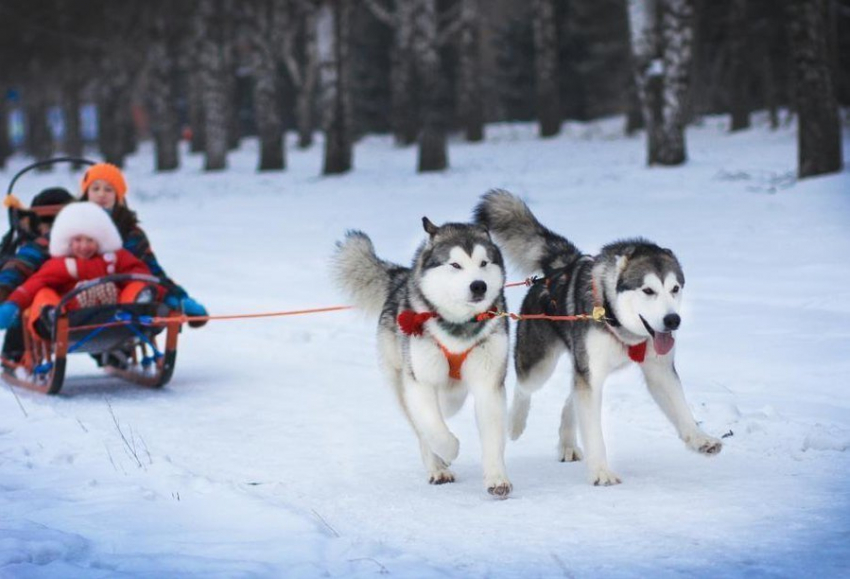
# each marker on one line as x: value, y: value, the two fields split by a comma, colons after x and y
x: 530, y: 245
x: 361, y: 274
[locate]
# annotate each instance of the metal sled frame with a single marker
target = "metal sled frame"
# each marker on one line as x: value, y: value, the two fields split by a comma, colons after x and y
x: 100, y: 330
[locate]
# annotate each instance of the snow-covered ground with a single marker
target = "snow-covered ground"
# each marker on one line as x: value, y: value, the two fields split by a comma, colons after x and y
x: 277, y: 451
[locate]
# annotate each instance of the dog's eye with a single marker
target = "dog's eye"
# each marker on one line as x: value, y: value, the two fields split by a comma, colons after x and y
x: 649, y: 291
x: 484, y: 263
x: 675, y: 290
x: 455, y: 265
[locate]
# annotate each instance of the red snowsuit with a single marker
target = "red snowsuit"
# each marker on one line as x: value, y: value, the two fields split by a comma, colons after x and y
x: 60, y: 275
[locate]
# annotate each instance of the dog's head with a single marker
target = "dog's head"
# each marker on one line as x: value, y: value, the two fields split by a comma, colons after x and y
x: 647, y: 290
x: 460, y: 270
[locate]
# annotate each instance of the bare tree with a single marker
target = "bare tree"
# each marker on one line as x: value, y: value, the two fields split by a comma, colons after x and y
x: 295, y: 39
x: 403, y: 116
x: 819, y: 131
x: 662, y: 39
x: 267, y: 98
x: 334, y: 22
x: 161, y: 94
x: 546, y: 67
x: 470, y: 99
x: 739, y: 28
x: 433, y: 149
x: 209, y: 31
x: 5, y: 145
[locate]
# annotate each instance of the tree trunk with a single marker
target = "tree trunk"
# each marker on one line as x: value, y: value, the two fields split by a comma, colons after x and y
x: 739, y: 94
x: 195, y: 97
x: 163, y: 116
x: 114, y: 112
x: 212, y: 84
x: 334, y: 22
x: 470, y: 98
x: 662, y: 39
x: 433, y: 153
x: 546, y: 68
x: 404, y: 119
x: 266, y: 93
x: 819, y: 129
x: 309, y: 78
x: 5, y: 144
x: 677, y: 36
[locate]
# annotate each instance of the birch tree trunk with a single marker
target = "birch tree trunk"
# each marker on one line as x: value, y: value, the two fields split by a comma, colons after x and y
x: 266, y: 92
x: 546, y: 67
x: 433, y: 154
x: 662, y: 46
x: 740, y: 56
x: 470, y: 99
x: 334, y: 22
x: 677, y: 35
x: 161, y: 94
x: 819, y: 129
x: 212, y: 84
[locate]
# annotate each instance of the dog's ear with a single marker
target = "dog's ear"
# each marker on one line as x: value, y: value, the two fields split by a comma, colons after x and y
x: 430, y: 228
x: 622, y: 261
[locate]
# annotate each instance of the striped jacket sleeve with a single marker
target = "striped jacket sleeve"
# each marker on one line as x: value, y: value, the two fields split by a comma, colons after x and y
x: 26, y: 261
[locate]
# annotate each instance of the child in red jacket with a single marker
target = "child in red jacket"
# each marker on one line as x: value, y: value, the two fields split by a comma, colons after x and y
x: 84, y: 245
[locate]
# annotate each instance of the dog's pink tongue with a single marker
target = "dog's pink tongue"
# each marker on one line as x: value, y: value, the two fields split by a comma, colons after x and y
x: 663, y: 342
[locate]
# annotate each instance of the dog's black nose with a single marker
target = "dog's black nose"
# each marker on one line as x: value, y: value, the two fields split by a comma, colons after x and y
x: 672, y: 321
x: 478, y: 288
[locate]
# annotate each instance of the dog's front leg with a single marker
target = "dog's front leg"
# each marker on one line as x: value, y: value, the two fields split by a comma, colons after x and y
x: 423, y: 405
x: 484, y: 373
x: 587, y: 396
x: 663, y: 383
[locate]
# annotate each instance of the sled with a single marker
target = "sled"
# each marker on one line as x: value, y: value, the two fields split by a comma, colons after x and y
x: 122, y: 337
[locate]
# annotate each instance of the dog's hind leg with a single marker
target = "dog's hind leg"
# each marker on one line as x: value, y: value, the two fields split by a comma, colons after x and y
x: 536, y: 355
x: 666, y: 389
x: 587, y: 393
x: 568, y: 450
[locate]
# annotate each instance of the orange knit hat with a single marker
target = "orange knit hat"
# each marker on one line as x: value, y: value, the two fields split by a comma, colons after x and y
x: 109, y: 173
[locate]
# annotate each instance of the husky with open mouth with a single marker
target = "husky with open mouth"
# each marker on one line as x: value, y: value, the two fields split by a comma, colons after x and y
x: 431, y: 345
x: 638, y: 283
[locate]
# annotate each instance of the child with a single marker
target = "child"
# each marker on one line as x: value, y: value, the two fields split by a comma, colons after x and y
x: 104, y: 185
x: 28, y: 258
x: 84, y: 245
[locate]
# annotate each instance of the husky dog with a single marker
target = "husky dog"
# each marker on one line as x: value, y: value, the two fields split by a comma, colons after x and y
x: 431, y: 345
x: 640, y: 287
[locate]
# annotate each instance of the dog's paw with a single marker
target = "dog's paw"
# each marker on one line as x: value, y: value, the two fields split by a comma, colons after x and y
x: 447, y: 448
x: 569, y: 454
x: 602, y: 477
x: 441, y: 477
x: 499, y: 487
x: 704, y: 444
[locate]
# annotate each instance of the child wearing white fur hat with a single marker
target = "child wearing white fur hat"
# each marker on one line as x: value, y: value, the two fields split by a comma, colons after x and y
x: 84, y: 245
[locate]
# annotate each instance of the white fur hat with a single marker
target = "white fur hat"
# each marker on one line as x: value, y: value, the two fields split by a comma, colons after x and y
x: 83, y: 218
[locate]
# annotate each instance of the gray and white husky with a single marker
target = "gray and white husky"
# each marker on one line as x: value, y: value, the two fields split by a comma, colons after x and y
x: 431, y: 345
x: 640, y: 286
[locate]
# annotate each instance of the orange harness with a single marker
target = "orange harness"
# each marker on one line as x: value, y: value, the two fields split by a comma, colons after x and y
x: 455, y: 360
x: 412, y: 324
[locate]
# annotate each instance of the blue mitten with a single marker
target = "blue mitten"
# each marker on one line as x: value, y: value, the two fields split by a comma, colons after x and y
x: 188, y: 306
x: 9, y: 315
x: 193, y: 308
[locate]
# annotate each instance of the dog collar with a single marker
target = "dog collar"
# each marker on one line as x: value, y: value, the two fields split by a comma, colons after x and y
x: 412, y: 323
